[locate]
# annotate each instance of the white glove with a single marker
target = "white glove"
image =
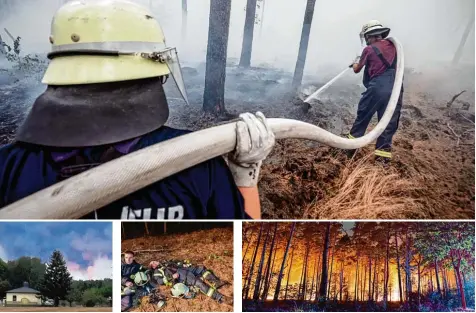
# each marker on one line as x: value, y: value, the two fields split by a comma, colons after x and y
x: 254, y: 141
x: 357, y: 59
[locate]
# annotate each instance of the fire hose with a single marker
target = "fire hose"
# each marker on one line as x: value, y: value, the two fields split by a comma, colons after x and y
x: 95, y: 188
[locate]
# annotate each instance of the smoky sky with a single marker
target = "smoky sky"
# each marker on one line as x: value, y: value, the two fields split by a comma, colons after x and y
x: 430, y: 30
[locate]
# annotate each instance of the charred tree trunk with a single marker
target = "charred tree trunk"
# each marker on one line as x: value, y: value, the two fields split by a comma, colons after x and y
x: 260, y: 268
x: 467, y: 31
x: 278, y: 284
x: 247, y: 46
x: 184, y: 20
x: 370, y: 279
x: 268, y: 268
x: 306, y: 30
x: 398, y: 269
x: 215, y: 73
x: 289, y: 273
x: 250, y: 274
x: 386, y: 277
x: 323, y: 286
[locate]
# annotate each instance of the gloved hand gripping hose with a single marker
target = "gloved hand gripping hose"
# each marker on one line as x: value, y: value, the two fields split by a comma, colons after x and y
x: 93, y: 189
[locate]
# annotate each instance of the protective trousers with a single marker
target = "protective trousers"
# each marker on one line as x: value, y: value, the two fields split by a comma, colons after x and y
x: 375, y: 100
x: 189, y: 278
x: 126, y: 303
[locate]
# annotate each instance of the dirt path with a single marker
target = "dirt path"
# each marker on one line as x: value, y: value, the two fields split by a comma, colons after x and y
x: 211, y: 248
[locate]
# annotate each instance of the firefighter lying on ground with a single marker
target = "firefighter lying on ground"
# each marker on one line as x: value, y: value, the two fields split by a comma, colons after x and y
x: 195, y: 277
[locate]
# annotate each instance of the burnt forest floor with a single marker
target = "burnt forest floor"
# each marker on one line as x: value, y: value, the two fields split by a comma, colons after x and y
x: 212, y: 248
x: 431, y: 175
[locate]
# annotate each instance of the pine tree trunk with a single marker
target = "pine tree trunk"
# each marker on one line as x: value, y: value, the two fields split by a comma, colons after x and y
x: 341, y: 280
x: 278, y: 284
x: 260, y: 268
x: 356, y: 284
x: 332, y: 265
x: 245, y: 60
x: 398, y: 269
x: 313, y: 278
x: 269, y: 269
x: 460, y: 283
x: 318, y: 276
x: 184, y: 20
x: 386, y: 277
x: 408, y: 282
x: 215, y: 72
x: 419, y: 284
x: 370, y: 279
x: 323, y: 286
x: 467, y: 31
x: 437, y: 277
x: 250, y: 274
x: 306, y: 30
x: 289, y: 273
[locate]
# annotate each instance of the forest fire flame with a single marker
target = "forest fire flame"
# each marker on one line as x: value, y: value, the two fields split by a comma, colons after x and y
x: 371, y: 263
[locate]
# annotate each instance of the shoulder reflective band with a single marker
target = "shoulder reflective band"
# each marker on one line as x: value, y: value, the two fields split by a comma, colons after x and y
x: 383, y: 154
x: 350, y: 136
x: 162, y: 274
x: 113, y: 47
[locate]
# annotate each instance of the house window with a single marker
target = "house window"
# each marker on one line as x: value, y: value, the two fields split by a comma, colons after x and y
x: 14, y: 298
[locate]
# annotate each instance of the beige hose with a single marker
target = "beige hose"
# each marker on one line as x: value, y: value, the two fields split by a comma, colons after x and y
x: 93, y: 189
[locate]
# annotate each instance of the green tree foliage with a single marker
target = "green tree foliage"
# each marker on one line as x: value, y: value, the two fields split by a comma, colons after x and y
x: 92, y: 297
x: 25, y: 269
x: 57, y: 280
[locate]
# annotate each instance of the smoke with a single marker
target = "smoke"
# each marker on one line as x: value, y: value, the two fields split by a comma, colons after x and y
x: 100, y: 268
x: 430, y: 30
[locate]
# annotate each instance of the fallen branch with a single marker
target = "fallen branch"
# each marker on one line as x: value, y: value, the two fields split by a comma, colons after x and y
x: 454, y: 133
x: 454, y: 98
x: 141, y: 251
x: 467, y: 119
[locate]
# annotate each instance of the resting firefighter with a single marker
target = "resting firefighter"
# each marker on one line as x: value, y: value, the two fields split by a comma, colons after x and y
x: 196, y: 277
x: 105, y: 99
x: 379, y: 59
x: 130, y: 279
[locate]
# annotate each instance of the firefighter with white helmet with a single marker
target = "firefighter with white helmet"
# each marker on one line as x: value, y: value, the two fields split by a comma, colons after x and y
x: 379, y: 58
x: 104, y: 99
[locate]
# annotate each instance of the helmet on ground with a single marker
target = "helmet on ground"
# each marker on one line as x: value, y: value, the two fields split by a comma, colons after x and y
x: 374, y: 28
x: 179, y: 290
x: 140, y: 279
x: 108, y: 62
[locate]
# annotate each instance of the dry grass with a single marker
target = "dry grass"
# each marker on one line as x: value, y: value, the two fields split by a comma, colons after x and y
x: 212, y: 248
x: 368, y: 191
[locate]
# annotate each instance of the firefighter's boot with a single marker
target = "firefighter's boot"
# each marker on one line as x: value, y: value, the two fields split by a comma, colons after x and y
x: 209, y: 291
x: 213, y: 280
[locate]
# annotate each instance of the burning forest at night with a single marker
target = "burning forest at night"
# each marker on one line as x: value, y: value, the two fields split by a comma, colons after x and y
x: 358, y: 266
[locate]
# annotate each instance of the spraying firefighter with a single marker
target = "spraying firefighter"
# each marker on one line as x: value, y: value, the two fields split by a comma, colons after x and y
x: 182, y: 276
x: 105, y: 99
x: 379, y: 59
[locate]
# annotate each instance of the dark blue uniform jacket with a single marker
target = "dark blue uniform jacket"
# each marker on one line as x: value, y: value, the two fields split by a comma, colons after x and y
x: 205, y: 191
